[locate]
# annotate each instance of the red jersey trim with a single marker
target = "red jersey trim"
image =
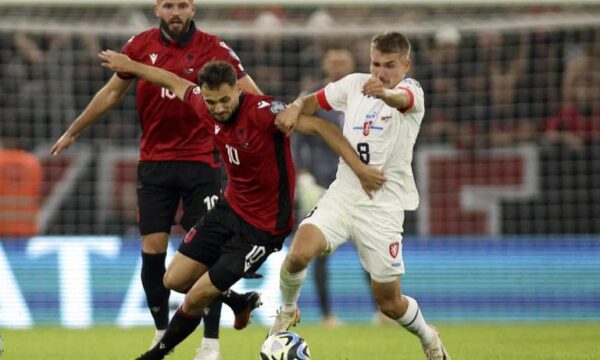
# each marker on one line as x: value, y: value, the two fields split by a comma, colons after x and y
x: 322, y: 100
x: 411, y: 102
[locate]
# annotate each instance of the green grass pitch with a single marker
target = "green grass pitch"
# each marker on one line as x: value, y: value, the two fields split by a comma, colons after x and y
x: 547, y: 341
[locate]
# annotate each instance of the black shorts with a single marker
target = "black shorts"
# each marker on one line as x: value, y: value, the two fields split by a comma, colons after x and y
x: 162, y: 184
x: 228, y: 245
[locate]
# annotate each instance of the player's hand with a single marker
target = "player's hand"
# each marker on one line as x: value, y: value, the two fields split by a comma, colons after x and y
x: 287, y: 119
x: 115, y: 61
x: 374, y: 87
x: 371, y: 179
x: 62, y: 143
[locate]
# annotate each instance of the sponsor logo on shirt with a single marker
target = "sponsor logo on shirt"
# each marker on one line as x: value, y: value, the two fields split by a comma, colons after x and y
x: 277, y: 107
x: 262, y: 104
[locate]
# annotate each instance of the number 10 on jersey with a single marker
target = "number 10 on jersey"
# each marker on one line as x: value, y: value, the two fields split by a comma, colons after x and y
x: 232, y: 154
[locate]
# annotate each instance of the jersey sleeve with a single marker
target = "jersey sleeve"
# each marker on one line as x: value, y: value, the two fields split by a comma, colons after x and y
x: 415, y: 92
x: 129, y: 49
x: 266, y: 112
x: 223, y: 52
x: 193, y: 97
x: 334, y: 96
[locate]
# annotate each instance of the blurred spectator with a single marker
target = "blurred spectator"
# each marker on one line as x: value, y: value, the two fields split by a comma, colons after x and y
x: 442, y: 82
x: 41, y: 84
x: 506, y: 69
x: 577, y: 123
x: 20, y: 183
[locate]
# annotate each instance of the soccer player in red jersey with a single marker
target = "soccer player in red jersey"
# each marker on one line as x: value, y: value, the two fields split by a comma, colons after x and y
x: 255, y: 215
x: 177, y: 153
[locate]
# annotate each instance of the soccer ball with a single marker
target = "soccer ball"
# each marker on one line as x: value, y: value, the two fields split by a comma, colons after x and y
x: 284, y: 346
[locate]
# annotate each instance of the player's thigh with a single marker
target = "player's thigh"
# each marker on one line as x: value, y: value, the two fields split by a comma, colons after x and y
x: 200, y: 187
x: 243, y: 254
x: 331, y: 217
x: 378, y: 239
x: 183, y: 272
x: 157, y: 197
x: 204, y: 242
x: 308, y: 243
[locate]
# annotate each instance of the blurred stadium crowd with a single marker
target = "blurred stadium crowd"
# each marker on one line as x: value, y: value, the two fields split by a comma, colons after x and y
x: 496, y: 87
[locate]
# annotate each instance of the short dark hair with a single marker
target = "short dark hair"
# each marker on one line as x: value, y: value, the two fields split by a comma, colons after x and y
x: 216, y: 73
x: 391, y: 42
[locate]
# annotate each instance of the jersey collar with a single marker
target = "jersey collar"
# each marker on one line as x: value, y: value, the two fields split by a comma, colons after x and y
x: 184, y: 40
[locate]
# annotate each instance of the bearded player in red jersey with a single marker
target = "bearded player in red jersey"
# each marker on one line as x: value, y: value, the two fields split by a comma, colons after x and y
x: 177, y: 153
x: 255, y: 215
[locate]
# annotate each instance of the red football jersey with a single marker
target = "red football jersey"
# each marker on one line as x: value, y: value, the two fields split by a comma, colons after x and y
x: 170, y: 129
x: 257, y: 159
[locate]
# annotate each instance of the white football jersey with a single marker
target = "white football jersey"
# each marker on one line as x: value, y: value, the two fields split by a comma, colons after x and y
x: 383, y: 137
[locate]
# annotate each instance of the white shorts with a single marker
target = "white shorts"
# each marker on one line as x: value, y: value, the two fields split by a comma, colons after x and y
x: 376, y: 232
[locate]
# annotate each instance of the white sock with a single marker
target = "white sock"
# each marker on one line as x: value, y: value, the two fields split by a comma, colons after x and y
x: 290, y: 284
x: 211, y: 343
x: 413, y: 321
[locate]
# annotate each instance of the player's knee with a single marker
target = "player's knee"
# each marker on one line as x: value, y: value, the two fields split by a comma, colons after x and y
x: 390, y: 304
x: 173, y: 283
x: 155, y: 243
x: 297, y: 261
x: 196, y: 300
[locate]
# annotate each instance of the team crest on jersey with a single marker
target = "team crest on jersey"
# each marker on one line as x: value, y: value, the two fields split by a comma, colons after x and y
x: 370, y: 118
x: 189, y: 236
x: 277, y: 107
x: 394, y: 248
x: 197, y: 90
x: 367, y: 127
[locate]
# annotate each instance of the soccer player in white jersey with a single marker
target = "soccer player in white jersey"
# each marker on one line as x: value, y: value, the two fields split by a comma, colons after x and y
x: 383, y: 113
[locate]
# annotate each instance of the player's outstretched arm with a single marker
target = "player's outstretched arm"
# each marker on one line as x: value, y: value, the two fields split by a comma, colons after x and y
x: 105, y: 99
x: 371, y: 179
x: 122, y: 63
x: 396, y: 98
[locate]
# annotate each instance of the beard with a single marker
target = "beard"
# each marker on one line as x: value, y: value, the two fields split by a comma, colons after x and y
x: 175, y: 35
